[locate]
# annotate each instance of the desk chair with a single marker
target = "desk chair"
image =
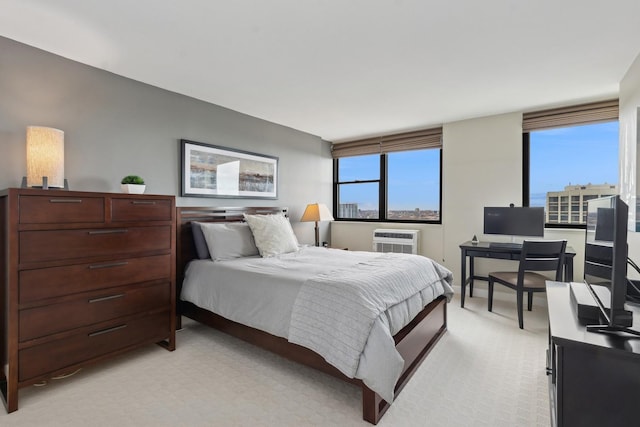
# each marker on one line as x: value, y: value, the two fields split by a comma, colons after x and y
x: 545, y: 255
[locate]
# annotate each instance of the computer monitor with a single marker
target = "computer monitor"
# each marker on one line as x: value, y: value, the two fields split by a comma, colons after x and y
x: 514, y: 221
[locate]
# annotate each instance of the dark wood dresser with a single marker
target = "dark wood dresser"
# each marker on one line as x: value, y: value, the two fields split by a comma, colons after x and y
x: 85, y: 276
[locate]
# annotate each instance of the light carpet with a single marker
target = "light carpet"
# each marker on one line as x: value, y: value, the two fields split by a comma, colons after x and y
x: 485, y: 371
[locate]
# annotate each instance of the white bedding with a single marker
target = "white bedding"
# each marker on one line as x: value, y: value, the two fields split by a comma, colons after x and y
x: 261, y: 293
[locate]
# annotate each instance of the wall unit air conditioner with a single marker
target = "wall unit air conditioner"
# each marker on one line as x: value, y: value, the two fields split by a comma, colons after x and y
x: 398, y: 241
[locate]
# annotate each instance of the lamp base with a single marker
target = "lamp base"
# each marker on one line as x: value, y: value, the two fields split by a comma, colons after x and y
x: 45, y: 184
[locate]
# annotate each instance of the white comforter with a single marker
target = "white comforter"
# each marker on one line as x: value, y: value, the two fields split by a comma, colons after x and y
x: 261, y: 293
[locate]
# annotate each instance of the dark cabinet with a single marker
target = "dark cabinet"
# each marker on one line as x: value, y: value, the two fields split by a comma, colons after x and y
x: 86, y: 276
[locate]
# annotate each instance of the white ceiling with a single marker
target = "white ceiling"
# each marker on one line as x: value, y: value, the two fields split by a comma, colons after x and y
x: 343, y: 69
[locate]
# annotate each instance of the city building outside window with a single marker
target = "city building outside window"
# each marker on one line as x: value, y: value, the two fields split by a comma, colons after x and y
x: 568, y: 166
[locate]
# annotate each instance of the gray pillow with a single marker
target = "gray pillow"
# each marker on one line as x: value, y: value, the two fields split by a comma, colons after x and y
x: 198, y: 239
x: 229, y: 240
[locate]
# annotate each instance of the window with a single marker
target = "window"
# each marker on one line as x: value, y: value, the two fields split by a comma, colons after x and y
x: 359, y: 187
x: 567, y: 166
x: 389, y: 178
x: 399, y: 186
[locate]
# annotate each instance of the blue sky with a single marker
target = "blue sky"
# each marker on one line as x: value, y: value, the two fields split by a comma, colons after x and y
x: 414, y: 178
x: 559, y: 157
x: 571, y: 156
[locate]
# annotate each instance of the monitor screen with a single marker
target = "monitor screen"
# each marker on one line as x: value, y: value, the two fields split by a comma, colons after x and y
x: 512, y: 221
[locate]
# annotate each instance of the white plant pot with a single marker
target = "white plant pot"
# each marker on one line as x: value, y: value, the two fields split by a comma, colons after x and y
x: 132, y: 188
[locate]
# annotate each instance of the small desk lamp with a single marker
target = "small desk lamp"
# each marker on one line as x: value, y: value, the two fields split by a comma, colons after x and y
x: 316, y: 212
x: 45, y: 158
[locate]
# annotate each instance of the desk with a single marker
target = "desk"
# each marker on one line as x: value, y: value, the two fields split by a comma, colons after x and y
x: 594, y: 379
x: 485, y: 250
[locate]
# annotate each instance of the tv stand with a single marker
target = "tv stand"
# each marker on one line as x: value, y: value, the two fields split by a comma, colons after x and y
x: 607, y: 329
x: 594, y: 378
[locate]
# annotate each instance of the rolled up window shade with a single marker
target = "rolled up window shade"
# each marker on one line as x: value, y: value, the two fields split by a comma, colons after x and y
x: 595, y: 112
x: 360, y: 147
x: 419, y: 140
x: 416, y: 140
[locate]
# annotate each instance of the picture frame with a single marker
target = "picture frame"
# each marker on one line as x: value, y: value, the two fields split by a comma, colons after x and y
x: 213, y: 171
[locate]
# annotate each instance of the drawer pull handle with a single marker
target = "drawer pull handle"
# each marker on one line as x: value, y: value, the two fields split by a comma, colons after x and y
x: 143, y: 202
x: 106, y: 331
x: 91, y: 301
x: 65, y: 200
x: 111, y: 264
x: 108, y: 231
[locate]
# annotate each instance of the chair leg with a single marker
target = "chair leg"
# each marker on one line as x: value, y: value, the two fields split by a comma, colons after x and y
x: 490, y: 296
x: 520, y: 298
x: 530, y: 301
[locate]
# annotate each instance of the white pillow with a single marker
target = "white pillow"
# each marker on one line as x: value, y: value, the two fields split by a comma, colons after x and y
x: 228, y: 240
x: 272, y: 233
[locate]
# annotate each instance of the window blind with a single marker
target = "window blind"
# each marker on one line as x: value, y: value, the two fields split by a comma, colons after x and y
x: 594, y: 112
x: 416, y: 140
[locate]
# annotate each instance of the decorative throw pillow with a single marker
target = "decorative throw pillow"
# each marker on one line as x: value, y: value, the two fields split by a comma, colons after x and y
x: 228, y: 240
x: 272, y: 233
x: 198, y: 239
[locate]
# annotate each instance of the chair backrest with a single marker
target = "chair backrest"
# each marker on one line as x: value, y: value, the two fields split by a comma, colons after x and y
x: 542, y: 255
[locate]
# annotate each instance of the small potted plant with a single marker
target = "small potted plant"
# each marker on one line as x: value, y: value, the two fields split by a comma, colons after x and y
x: 132, y: 184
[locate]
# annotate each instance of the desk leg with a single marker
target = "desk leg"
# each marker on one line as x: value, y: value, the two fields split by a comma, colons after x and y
x: 463, y: 276
x: 472, y: 274
x: 568, y: 269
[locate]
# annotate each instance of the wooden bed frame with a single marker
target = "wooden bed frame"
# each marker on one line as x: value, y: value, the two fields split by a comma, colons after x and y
x: 413, y: 342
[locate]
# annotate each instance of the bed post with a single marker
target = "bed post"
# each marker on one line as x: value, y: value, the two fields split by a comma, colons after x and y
x: 373, y: 406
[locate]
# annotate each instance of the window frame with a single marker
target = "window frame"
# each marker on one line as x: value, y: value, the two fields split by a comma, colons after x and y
x: 382, y: 192
x: 526, y: 176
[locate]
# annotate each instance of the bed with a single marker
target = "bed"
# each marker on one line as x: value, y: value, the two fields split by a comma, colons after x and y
x: 420, y: 328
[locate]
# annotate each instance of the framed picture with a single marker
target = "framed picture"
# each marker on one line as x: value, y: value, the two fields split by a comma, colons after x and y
x: 213, y: 171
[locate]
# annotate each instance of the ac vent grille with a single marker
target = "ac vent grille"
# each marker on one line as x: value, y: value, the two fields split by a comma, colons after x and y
x: 394, y: 235
x: 396, y: 241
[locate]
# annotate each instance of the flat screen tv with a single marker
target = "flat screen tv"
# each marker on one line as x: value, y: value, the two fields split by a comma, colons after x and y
x: 605, y: 261
x: 512, y: 221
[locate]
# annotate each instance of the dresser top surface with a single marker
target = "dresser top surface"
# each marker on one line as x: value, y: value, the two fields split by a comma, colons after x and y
x: 72, y: 193
x: 568, y: 330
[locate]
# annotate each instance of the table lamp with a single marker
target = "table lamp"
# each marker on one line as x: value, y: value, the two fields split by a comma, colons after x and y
x: 45, y: 158
x: 316, y: 212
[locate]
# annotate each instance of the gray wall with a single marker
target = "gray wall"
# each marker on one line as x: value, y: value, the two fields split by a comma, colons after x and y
x: 116, y: 126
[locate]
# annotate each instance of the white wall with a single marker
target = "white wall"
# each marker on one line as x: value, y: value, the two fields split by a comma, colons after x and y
x: 357, y: 236
x: 482, y: 166
x: 630, y: 163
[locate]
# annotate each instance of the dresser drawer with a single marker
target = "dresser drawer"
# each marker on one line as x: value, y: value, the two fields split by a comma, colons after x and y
x: 493, y: 254
x: 54, y: 245
x: 57, y: 209
x: 39, y: 284
x: 140, y: 210
x: 36, y: 322
x: 116, y: 335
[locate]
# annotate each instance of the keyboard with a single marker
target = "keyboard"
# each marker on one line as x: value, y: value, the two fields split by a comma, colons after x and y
x: 505, y: 245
